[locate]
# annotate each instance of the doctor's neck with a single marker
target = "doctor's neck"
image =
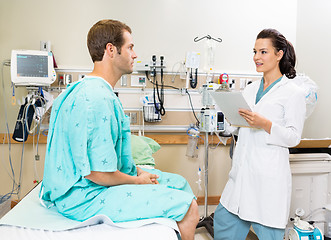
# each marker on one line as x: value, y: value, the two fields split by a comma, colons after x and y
x: 271, y: 76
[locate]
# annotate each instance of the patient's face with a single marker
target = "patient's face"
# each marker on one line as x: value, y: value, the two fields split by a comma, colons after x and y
x: 124, y: 60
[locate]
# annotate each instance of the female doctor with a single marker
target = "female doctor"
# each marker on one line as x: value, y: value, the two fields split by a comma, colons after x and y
x: 258, y: 191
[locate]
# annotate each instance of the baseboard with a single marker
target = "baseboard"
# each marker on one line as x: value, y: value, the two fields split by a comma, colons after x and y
x: 13, y: 203
x: 211, y: 200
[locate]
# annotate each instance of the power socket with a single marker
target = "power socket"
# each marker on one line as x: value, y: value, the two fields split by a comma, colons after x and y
x: 81, y: 76
x: 67, y: 79
x: 45, y: 46
x: 133, y: 117
x: 183, y: 91
x: 60, y: 78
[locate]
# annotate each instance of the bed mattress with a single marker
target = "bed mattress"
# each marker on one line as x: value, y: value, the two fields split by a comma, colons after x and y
x: 30, y: 220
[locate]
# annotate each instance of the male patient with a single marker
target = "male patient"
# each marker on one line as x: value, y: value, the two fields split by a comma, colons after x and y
x: 89, y: 168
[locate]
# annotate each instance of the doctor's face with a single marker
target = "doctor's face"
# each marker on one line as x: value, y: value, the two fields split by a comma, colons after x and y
x: 266, y: 58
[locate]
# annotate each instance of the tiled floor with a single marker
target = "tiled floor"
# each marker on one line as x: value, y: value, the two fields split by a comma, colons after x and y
x: 202, y: 234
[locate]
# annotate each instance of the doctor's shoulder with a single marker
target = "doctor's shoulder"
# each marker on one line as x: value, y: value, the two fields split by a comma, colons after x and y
x: 296, y: 85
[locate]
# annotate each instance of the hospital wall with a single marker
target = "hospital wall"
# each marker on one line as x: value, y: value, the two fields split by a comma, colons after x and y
x: 314, y: 54
x: 167, y: 28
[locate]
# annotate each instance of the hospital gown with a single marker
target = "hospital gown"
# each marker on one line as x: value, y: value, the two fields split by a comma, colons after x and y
x: 89, y: 131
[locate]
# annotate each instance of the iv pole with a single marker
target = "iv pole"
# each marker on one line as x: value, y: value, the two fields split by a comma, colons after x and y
x: 206, y: 175
x: 207, y: 221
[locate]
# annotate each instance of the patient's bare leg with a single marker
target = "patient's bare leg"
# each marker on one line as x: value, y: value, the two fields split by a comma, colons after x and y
x: 189, y: 222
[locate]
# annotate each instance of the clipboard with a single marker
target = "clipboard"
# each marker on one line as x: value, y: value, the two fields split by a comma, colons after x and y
x: 229, y: 103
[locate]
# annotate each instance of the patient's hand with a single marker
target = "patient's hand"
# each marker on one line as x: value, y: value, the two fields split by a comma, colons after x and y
x: 146, y: 177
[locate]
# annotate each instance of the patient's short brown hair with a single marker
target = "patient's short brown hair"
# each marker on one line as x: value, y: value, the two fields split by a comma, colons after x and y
x: 104, y: 32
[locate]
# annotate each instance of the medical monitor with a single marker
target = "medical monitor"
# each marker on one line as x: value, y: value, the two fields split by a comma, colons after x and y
x: 32, y: 68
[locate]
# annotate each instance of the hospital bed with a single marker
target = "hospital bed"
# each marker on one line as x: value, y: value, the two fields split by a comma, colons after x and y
x: 31, y: 221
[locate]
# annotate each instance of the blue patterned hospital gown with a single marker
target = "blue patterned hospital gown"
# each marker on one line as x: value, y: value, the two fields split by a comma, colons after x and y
x: 88, y: 131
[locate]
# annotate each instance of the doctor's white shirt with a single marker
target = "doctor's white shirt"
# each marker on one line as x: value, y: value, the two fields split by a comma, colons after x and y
x: 260, y: 184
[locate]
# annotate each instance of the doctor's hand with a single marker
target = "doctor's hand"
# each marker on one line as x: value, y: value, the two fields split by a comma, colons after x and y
x: 146, y: 177
x: 256, y: 120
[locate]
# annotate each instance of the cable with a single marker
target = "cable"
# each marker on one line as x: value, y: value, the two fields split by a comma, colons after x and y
x: 33, y: 102
x: 160, y: 93
x: 15, y: 187
x: 169, y: 86
x: 176, y: 73
x: 194, y: 80
x: 219, y: 142
x: 313, y: 212
x: 198, y: 122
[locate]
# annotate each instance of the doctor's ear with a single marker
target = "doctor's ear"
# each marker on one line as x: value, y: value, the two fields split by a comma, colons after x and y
x: 280, y: 54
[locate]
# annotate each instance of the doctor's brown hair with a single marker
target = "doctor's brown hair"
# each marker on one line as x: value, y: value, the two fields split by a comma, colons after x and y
x: 279, y: 42
x: 104, y: 32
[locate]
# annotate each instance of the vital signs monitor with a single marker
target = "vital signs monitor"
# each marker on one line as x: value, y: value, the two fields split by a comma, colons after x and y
x: 32, y: 68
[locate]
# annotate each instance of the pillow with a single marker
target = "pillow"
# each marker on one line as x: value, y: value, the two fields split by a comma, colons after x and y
x: 142, y: 149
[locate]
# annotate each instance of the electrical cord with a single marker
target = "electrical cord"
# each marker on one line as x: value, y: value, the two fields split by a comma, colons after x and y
x: 312, y: 213
x: 15, y: 186
x: 219, y: 142
x: 168, y: 86
x: 189, y: 96
x: 32, y: 103
x: 194, y: 80
x: 178, y: 70
x: 159, y: 106
x: 162, y: 110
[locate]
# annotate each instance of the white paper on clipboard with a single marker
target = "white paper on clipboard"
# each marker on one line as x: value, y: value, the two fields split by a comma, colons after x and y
x: 229, y: 103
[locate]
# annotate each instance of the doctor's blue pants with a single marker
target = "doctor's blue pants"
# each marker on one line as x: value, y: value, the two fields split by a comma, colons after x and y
x: 228, y: 226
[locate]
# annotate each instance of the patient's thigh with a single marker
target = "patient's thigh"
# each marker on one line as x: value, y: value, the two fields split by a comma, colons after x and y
x: 135, y: 202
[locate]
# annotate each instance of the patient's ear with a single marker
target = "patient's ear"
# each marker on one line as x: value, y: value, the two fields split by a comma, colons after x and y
x: 110, y: 50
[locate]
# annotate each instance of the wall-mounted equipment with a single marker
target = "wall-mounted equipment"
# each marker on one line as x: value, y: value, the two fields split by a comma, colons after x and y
x: 150, y: 109
x: 192, y: 64
x: 32, y: 68
x: 149, y: 66
x: 138, y: 81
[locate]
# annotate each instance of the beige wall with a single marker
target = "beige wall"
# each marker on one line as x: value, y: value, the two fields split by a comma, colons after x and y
x: 314, y: 58
x: 171, y: 158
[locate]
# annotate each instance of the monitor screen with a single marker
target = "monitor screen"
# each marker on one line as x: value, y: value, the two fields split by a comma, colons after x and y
x: 32, y: 68
x: 32, y: 65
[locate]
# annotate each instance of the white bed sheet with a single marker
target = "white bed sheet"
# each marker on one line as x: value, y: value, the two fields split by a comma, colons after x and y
x: 31, y: 221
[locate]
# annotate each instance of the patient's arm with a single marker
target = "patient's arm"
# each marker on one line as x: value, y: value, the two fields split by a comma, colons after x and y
x: 119, y: 178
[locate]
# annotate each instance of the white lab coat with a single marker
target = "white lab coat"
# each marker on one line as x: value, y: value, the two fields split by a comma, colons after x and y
x: 259, y: 185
